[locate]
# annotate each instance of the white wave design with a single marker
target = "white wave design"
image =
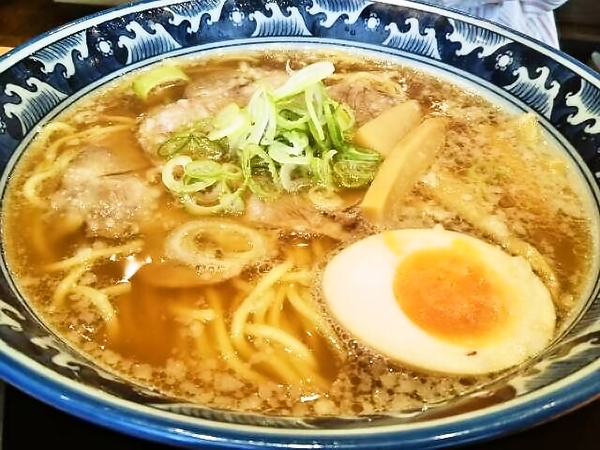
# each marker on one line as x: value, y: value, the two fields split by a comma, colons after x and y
x: 589, y: 322
x: 34, y: 105
x: 6, y: 320
x: 68, y: 361
x: 144, y: 44
x: 333, y: 9
x: 193, y: 13
x: 534, y: 91
x: 62, y: 53
x: 473, y: 38
x: 61, y: 359
x: 412, y: 41
x: 587, y: 103
x: 553, y: 368
x: 279, y: 24
x: 204, y: 412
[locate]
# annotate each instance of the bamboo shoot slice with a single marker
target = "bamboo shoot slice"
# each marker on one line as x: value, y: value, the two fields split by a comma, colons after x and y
x: 406, y: 163
x: 384, y: 131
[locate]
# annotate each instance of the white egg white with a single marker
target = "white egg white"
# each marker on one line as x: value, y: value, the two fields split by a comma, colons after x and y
x: 358, y: 290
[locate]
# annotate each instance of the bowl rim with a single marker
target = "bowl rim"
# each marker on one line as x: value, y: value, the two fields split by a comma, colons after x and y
x: 116, y: 11
x: 146, y: 422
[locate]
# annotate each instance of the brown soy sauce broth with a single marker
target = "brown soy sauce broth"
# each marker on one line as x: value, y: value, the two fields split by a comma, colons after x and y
x: 161, y: 343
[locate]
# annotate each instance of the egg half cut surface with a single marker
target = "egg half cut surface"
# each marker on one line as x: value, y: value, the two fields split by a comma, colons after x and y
x: 440, y: 300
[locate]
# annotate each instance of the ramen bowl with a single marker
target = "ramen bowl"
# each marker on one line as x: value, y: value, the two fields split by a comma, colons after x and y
x: 43, y: 77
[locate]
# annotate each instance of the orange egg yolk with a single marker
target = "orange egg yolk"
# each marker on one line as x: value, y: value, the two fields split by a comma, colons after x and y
x: 449, y: 293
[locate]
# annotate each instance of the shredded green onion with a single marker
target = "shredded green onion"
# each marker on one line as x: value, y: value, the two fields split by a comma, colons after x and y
x: 228, y: 203
x: 183, y: 184
x: 303, y: 79
x: 324, y: 199
x: 258, y: 167
x: 294, y: 177
x: 229, y: 122
x: 159, y: 76
x: 194, y: 141
x: 353, y: 174
x: 287, y: 139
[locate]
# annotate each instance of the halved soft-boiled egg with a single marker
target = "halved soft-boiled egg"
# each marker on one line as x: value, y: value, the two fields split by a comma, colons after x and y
x: 440, y: 300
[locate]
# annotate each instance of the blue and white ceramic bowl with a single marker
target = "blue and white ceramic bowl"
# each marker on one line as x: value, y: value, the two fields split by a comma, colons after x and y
x: 42, y: 77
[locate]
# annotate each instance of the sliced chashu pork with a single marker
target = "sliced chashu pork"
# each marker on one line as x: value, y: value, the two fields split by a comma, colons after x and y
x: 204, y: 97
x: 295, y: 213
x: 103, y: 188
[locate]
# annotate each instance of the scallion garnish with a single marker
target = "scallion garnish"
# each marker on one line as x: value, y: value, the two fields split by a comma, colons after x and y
x: 162, y: 75
x: 286, y: 139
